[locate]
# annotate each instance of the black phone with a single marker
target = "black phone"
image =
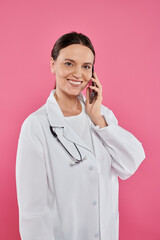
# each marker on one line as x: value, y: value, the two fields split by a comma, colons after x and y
x: 93, y: 94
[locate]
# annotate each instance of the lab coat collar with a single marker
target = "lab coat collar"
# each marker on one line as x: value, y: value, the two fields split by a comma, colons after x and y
x: 57, y: 120
x: 55, y: 115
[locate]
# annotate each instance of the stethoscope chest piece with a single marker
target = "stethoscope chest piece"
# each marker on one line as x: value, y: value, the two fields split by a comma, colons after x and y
x: 77, y: 161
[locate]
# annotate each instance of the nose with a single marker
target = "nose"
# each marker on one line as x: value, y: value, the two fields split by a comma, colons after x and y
x: 77, y: 72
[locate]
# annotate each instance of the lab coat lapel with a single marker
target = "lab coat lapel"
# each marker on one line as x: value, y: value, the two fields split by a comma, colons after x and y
x: 57, y: 120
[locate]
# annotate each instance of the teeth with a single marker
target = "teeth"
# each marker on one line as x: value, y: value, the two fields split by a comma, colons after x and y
x: 74, y: 82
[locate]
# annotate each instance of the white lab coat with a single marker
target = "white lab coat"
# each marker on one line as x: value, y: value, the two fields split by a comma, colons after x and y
x: 62, y: 202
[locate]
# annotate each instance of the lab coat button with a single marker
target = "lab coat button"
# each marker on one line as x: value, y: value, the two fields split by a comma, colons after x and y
x: 96, y: 235
x: 90, y: 168
x: 94, y: 202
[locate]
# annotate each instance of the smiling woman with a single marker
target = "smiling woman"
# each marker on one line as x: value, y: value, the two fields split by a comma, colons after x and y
x: 68, y: 40
x: 70, y: 154
x: 72, y: 73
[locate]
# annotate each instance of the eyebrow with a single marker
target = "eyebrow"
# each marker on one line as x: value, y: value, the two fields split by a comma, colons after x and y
x: 74, y: 61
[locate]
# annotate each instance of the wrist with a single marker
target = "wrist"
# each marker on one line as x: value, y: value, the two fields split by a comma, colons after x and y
x: 100, y: 121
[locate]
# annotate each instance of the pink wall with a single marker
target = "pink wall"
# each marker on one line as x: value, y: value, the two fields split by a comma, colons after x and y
x: 126, y: 36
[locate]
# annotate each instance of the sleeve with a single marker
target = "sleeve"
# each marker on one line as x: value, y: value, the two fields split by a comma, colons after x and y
x: 126, y: 151
x: 35, y: 220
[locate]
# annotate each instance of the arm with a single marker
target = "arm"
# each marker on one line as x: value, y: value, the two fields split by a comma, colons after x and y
x: 35, y: 220
x: 126, y: 151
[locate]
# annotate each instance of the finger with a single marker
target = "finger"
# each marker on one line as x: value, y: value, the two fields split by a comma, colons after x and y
x: 98, y: 90
x: 95, y: 75
x: 97, y: 82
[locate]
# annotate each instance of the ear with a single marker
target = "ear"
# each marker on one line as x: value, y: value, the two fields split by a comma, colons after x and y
x: 52, y: 65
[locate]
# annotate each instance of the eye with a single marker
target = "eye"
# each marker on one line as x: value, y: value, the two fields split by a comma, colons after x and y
x: 67, y: 63
x: 87, y: 67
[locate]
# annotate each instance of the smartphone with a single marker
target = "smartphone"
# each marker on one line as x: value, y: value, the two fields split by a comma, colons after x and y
x: 93, y: 94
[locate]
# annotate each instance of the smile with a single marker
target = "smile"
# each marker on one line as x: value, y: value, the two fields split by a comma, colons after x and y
x: 74, y: 83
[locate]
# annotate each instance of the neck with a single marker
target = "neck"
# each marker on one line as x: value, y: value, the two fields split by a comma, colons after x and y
x: 66, y: 101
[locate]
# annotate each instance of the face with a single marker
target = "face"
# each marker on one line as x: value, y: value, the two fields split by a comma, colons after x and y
x: 72, y: 69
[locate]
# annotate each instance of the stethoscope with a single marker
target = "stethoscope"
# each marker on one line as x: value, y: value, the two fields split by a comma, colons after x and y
x: 74, y: 160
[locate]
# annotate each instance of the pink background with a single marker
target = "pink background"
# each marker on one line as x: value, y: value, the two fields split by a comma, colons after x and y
x: 126, y: 37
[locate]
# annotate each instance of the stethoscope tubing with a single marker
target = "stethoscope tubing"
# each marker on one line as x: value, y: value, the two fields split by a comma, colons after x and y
x: 73, y: 159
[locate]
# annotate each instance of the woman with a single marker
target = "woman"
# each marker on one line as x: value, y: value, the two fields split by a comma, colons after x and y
x: 71, y: 153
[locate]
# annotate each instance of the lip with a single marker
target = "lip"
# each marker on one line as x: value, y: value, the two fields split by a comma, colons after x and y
x: 74, y: 80
x: 74, y: 85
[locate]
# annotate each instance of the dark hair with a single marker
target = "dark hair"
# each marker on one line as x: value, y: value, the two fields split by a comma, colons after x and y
x: 69, y: 39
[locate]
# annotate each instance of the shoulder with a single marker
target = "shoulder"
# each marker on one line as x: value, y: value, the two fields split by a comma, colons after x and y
x: 34, y: 122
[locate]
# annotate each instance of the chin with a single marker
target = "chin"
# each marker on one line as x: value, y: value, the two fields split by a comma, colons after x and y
x: 73, y: 93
